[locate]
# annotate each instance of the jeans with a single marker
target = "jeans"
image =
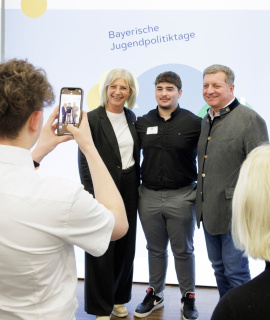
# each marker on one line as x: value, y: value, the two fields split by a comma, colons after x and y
x: 230, y: 266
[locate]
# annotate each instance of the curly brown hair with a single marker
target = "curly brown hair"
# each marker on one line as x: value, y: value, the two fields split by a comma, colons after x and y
x: 24, y: 89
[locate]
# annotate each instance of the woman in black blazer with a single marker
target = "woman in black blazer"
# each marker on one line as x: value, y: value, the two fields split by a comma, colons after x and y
x: 108, y: 279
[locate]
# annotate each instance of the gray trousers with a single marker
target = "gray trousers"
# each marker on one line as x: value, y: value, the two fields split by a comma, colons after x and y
x: 169, y: 215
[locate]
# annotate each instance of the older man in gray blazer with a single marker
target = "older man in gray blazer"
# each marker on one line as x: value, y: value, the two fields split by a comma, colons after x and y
x: 229, y: 132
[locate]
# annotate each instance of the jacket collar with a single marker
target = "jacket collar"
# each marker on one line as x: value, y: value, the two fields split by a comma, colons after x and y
x: 226, y: 110
x: 109, y: 132
x: 173, y: 114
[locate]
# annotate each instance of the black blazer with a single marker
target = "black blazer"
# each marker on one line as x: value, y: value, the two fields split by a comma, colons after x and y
x: 107, y: 146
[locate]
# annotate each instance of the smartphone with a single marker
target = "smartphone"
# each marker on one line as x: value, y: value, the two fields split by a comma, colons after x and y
x: 70, y: 109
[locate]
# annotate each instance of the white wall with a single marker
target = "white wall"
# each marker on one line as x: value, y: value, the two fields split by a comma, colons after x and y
x: 71, y: 40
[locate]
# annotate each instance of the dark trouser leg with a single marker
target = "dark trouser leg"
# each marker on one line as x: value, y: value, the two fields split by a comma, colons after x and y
x: 125, y: 247
x: 98, y: 283
x: 108, y: 279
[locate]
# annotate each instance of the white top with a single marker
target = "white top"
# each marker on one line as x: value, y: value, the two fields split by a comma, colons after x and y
x: 124, y: 137
x: 40, y: 220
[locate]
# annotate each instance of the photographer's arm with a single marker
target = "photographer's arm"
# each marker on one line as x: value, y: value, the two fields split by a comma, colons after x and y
x: 105, y: 189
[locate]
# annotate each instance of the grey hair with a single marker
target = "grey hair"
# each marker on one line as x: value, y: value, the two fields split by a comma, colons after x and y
x: 215, y: 68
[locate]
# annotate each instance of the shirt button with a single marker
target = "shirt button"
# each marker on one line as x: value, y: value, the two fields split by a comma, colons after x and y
x: 201, y: 193
x: 227, y: 109
x: 206, y: 156
x: 203, y: 175
x: 209, y: 138
x: 207, y: 120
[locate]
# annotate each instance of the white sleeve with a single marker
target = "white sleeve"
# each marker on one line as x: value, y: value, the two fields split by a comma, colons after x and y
x: 89, y: 224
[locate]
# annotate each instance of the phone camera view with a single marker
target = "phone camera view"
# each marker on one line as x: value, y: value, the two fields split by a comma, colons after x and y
x: 70, y: 109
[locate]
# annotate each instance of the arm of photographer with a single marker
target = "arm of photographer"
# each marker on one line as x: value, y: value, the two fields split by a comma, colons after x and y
x: 105, y: 189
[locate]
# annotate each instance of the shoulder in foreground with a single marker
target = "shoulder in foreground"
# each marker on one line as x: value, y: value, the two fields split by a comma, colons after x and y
x: 66, y: 189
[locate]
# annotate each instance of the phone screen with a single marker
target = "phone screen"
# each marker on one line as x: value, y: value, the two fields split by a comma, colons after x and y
x: 70, y: 109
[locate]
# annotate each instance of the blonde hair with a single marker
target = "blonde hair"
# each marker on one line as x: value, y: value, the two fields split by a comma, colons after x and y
x: 251, y: 205
x: 113, y: 75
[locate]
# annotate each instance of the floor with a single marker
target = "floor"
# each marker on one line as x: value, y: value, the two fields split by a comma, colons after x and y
x: 206, y: 300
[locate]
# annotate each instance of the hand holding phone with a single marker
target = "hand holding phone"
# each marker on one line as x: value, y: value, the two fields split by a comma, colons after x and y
x: 48, y: 140
x: 82, y: 135
x: 70, y: 109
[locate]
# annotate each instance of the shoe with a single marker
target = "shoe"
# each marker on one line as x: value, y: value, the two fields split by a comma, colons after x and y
x: 190, y: 311
x: 103, y: 317
x: 119, y: 310
x: 150, y: 303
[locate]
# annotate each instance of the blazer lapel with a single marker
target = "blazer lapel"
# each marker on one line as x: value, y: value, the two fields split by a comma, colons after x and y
x: 109, y: 134
x: 132, y: 128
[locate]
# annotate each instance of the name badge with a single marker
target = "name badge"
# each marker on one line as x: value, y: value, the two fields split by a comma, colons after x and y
x: 152, y: 130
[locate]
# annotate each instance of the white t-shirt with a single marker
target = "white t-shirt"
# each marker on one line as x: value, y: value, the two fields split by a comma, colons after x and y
x: 124, y: 137
x: 40, y: 221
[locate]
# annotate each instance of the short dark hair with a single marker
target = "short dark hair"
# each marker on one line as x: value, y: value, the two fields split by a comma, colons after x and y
x: 170, y: 77
x: 24, y: 89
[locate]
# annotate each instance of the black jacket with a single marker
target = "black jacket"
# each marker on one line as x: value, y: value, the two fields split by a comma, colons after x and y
x: 107, y: 146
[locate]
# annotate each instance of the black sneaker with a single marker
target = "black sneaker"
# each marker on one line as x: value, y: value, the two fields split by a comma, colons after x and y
x: 150, y: 303
x: 190, y: 311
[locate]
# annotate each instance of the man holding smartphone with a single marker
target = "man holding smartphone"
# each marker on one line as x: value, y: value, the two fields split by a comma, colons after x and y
x: 43, y: 217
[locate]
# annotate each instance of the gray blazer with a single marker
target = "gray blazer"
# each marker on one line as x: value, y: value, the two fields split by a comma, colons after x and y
x: 222, y: 148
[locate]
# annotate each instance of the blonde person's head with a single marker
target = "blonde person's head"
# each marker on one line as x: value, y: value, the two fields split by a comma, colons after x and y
x: 251, y: 205
x: 113, y: 75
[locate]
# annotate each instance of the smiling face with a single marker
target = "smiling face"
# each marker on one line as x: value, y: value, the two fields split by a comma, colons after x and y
x: 118, y: 92
x: 216, y: 92
x: 167, y: 95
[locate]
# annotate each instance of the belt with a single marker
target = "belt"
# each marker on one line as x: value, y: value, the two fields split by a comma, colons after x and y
x: 177, y: 188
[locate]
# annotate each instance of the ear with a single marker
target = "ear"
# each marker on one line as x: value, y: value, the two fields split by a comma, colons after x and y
x: 232, y: 88
x: 34, y: 120
x: 179, y: 93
